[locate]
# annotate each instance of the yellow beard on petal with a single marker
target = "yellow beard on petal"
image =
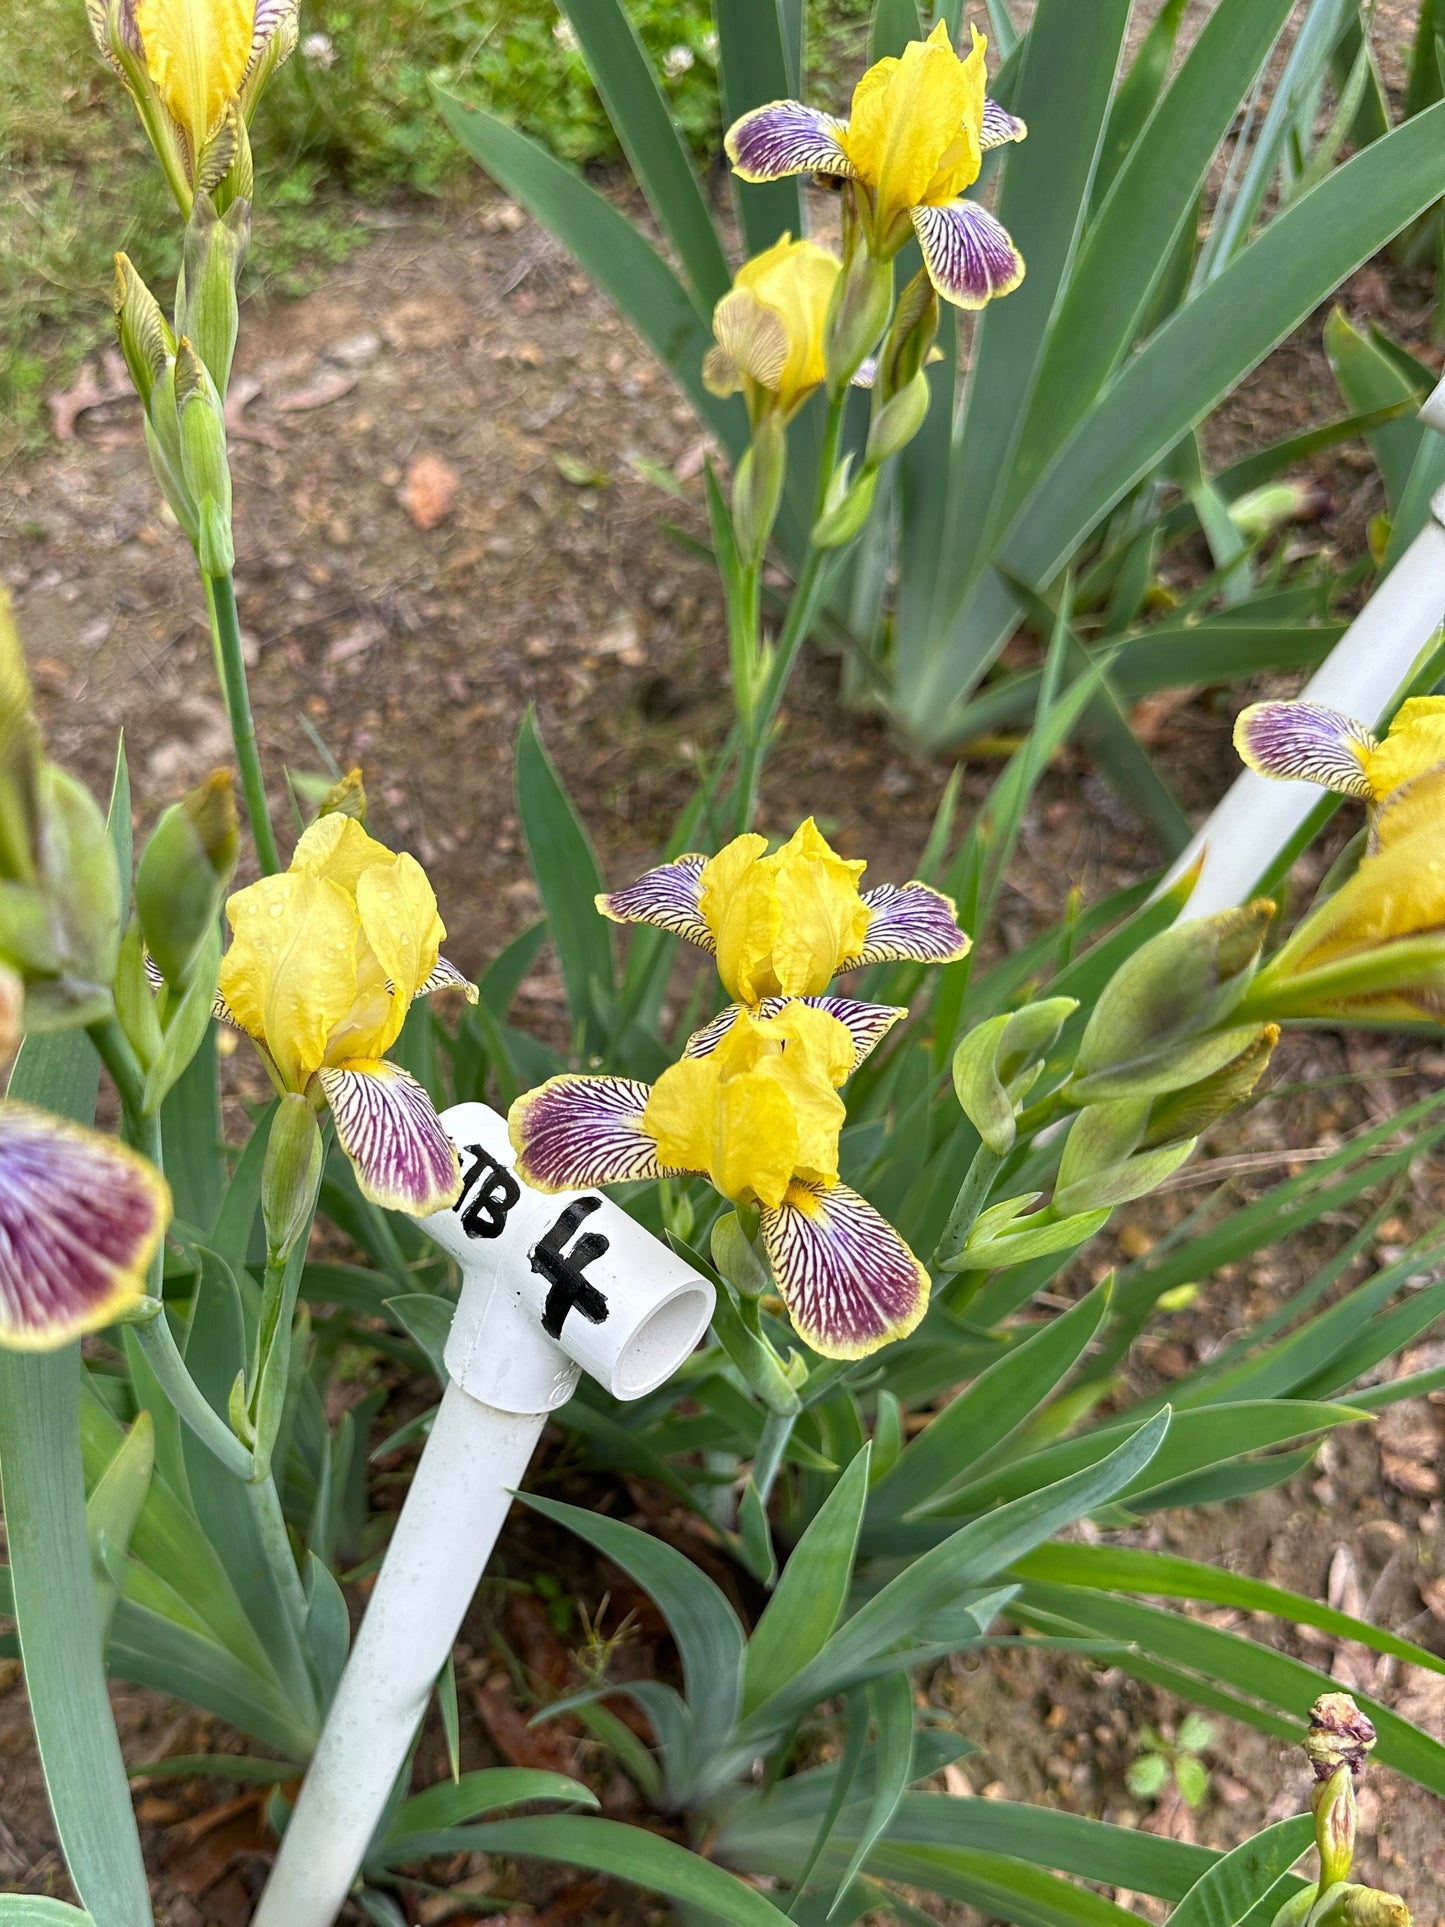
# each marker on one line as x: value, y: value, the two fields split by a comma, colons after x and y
x: 196, y: 52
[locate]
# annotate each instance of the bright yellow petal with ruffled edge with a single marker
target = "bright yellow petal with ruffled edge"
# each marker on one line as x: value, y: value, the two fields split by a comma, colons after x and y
x: 822, y: 919
x: 737, y: 904
x: 793, y: 281
x: 913, y: 133
x: 197, y: 53
x: 402, y: 931
x: 289, y: 977
x: 1415, y: 743
x: 337, y: 848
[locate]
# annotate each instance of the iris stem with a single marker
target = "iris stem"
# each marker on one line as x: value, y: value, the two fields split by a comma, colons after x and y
x: 193, y: 1408
x: 797, y: 626
x: 972, y: 1196
x: 231, y: 667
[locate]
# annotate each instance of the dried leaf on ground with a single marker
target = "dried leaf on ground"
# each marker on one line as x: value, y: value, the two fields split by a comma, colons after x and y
x: 429, y: 490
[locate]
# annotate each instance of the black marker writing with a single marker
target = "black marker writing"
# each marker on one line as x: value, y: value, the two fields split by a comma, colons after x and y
x: 563, y: 1270
x: 484, y: 1213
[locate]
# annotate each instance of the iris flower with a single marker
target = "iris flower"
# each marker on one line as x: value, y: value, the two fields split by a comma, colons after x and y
x: 784, y: 925
x: 324, y: 963
x: 81, y: 1217
x: 914, y: 142
x: 1375, y: 946
x: 769, y: 327
x: 196, y: 58
x: 755, y: 1109
x: 1314, y: 744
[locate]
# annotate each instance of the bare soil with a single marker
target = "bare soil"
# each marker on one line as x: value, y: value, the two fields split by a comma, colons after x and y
x: 463, y: 337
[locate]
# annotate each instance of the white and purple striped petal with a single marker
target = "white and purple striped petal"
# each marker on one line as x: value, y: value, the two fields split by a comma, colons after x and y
x: 1306, y: 742
x: 575, y: 1132
x: 999, y: 126
x: 446, y: 976
x: 849, y: 1281
x: 80, y: 1220
x: 668, y: 897
x: 913, y: 922
x: 968, y: 254
x: 385, y: 1123
x: 785, y: 138
x: 868, y: 1024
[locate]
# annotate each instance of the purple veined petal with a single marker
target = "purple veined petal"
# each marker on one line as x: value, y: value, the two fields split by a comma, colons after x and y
x: 867, y: 373
x: 1307, y: 742
x: 785, y: 137
x: 385, y: 1123
x: 868, y: 1024
x: 999, y: 126
x: 968, y: 254
x: 127, y: 32
x: 668, y: 897
x: 80, y: 1220
x: 849, y: 1281
x: 446, y: 976
x: 572, y: 1133
x: 220, y: 1009
x: 913, y: 922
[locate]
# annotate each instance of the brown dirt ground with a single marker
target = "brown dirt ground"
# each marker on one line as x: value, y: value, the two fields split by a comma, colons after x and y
x: 464, y: 335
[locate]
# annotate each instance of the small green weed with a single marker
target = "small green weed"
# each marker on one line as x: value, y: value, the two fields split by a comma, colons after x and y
x: 1161, y: 1760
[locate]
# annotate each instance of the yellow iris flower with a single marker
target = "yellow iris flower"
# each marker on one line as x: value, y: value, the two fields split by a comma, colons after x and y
x: 326, y: 960
x: 784, y: 925
x: 196, y: 53
x: 760, y: 1110
x: 769, y: 327
x: 754, y: 1108
x: 915, y: 131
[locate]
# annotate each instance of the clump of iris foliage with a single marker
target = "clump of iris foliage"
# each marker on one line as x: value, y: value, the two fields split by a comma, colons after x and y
x: 884, y: 1138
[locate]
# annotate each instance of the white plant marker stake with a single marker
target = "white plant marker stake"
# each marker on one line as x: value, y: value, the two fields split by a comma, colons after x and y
x: 552, y: 1284
x: 1372, y: 660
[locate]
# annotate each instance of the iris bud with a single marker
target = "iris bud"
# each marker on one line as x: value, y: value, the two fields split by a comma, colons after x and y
x: 291, y: 1174
x: 204, y: 467
x: 758, y: 489
x: 346, y: 798
x: 185, y: 870
x: 206, y: 314
x: 997, y: 1064
x: 898, y: 421
x: 857, y: 315
x: 145, y: 340
x: 846, y: 506
x: 1157, y: 1025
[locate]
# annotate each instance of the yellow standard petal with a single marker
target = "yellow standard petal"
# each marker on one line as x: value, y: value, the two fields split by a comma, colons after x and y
x: 784, y: 924
x: 914, y: 133
x: 402, y: 931
x: 196, y: 53
x: 1415, y: 743
x: 290, y: 975
x: 762, y: 1109
x: 337, y: 848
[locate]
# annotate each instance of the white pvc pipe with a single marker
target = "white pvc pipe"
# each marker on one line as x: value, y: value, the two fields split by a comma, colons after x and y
x: 1367, y: 668
x: 550, y: 1285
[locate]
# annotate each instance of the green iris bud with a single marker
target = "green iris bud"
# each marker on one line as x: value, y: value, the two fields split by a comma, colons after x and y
x: 998, y: 1063
x: 185, y: 870
x: 758, y: 489
x: 898, y: 421
x: 346, y: 798
x: 291, y: 1174
x: 145, y: 340
x: 204, y: 467
x: 206, y: 313
x: 857, y: 315
x: 846, y: 506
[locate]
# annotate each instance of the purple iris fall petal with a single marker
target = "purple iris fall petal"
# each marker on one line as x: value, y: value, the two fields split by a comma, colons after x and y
x: 80, y: 1219
x: 386, y: 1125
x: 785, y: 138
x: 1307, y: 742
x: 667, y: 897
x: 968, y: 254
x: 849, y: 1281
x: 575, y: 1132
x: 1000, y: 126
x: 912, y: 921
